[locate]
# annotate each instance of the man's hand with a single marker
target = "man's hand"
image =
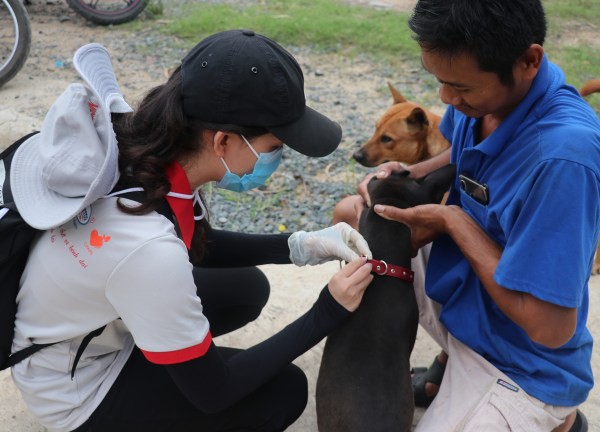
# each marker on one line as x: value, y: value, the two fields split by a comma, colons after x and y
x: 545, y: 323
x: 383, y: 171
x: 417, y: 170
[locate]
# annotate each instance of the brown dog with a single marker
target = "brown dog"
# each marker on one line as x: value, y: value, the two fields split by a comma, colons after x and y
x: 592, y: 86
x: 406, y: 132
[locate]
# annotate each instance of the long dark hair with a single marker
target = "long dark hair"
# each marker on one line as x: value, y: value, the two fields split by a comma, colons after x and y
x: 496, y: 32
x: 152, y: 137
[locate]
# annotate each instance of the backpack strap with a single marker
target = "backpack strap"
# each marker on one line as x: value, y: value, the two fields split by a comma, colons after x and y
x: 84, y: 343
x: 6, y: 158
x: 19, y: 356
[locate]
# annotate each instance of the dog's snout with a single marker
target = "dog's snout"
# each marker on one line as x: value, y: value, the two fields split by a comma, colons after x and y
x: 359, y: 156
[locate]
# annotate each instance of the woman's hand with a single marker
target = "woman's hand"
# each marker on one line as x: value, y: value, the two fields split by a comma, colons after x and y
x: 340, y: 241
x: 348, y: 285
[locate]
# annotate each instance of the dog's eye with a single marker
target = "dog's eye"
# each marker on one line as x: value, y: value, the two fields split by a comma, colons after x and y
x: 385, y: 139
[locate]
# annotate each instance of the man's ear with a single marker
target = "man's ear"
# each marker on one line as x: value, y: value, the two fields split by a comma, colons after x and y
x: 530, y: 62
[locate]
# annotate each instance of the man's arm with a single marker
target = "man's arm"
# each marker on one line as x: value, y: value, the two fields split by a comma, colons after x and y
x: 423, y: 168
x: 545, y: 323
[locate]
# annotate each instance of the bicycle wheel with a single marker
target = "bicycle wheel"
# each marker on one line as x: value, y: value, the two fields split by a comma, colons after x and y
x: 105, y: 12
x: 15, y: 38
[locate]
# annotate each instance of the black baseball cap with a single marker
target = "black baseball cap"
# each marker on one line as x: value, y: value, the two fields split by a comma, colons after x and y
x: 243, y: 78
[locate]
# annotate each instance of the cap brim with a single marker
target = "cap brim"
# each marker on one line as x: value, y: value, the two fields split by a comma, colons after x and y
x: 312, y: 134
x: 40, y: 207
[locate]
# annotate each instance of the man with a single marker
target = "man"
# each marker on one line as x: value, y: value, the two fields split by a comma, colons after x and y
x: 506, y: 292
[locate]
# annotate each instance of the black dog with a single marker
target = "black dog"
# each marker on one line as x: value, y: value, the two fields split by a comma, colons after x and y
x: 364, y: 381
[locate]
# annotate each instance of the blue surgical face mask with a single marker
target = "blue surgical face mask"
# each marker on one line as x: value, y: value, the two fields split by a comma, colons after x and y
x: 266, y: 165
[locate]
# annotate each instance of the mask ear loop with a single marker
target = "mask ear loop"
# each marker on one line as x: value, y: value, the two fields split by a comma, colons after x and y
x: 196, y: 200
x: 225, y: 165
x: 251, y: 148
x: 250, y: 145
x: 195, y: 197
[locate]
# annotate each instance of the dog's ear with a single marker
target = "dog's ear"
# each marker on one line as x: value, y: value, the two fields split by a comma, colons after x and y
x: 439, y: 181
x: 417, y: 120
x: 398, y: 98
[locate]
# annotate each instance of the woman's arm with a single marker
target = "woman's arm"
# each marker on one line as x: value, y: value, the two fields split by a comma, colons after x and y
x: 233, y: 249
x: 212, y: 383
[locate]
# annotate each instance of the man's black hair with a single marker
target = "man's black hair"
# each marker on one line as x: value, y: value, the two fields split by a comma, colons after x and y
x: 496, y: 32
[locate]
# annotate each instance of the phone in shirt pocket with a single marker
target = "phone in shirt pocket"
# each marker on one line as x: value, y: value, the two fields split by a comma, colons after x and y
x: 478, y: 191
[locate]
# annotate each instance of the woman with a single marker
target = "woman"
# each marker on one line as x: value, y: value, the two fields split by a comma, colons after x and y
x: 117, y: 262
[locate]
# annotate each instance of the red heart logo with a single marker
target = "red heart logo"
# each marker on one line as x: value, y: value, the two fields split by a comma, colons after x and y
x: 98, y: 240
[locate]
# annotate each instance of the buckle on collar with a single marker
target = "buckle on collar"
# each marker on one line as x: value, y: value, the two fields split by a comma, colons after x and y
x: 379, y: 267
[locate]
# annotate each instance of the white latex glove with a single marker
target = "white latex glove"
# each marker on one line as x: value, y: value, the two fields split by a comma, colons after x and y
x: 339, y: 242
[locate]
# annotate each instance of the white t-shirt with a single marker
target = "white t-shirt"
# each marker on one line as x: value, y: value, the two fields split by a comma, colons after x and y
x: 101, y: 266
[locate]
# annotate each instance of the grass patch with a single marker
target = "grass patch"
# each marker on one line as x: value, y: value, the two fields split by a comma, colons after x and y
x: 586, y: 10
x: 328, y: 26
x: 154, y: 9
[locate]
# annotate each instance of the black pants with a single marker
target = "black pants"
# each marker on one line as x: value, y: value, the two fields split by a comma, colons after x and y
x: 145, y: 399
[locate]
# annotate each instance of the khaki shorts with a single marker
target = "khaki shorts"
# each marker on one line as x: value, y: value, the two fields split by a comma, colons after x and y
x: 475, y: 396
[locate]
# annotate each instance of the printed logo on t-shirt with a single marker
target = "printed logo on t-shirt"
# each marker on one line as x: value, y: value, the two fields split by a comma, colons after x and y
x: 98, y: 240
x: 61, y: 236
x: 85, y: 215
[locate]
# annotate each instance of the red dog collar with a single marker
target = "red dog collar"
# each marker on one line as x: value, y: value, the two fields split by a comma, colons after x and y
x: 384, y: 269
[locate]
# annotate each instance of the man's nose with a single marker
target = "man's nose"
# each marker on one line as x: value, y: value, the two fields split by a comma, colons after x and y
x: 448, y: 95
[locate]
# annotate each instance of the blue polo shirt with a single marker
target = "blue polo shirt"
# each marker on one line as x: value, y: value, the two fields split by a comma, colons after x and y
x: 542, y: 169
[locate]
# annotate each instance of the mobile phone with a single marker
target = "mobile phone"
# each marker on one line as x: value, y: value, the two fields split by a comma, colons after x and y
x: 478, y: 191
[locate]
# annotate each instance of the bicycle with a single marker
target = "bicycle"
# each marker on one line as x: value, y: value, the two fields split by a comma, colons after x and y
x: 106, y: 12
x: 15, y: 38
x: 15, y: 28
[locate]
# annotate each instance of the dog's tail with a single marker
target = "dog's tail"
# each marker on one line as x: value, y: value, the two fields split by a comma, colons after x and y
x: 592, y: 86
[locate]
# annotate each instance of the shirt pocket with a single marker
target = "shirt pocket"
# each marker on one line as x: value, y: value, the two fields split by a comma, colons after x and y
x: 473, y: 208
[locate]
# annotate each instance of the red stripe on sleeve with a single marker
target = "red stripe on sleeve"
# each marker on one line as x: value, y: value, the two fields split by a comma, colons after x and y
x: 179, y: 356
